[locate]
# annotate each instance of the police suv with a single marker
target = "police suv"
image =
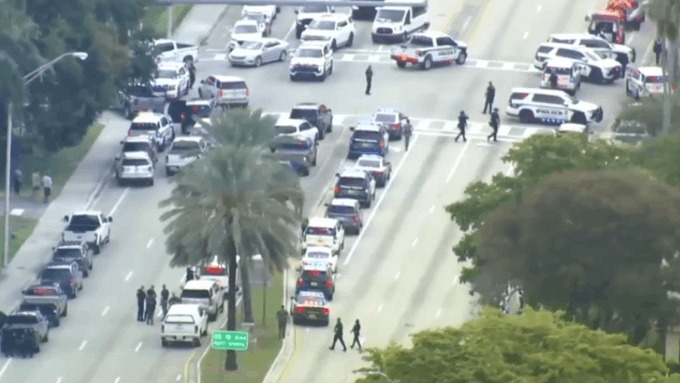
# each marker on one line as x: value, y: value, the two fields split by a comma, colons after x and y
x: 157, y: 126
x: 598, y: 66
x: 551, y: 107
x: 622, y: 53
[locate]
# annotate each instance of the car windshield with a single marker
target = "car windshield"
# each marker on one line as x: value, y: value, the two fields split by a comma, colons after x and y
x: 56, y: 274
x: 84, y: 221
x: 385, y: 117
x: 320, y: 231
x: 365, y: 163
x: 558, y: 70
x: 308, y: 52
x: 314, y: 9
x: 303, y: 114
x: 252, y: 45
x: 293, y: 147
x: 135, y: 162
x: 184, y: 146
x: 163, y: 47
x: 285, y: 129
x: 179, y: 319
x: 316, y: 38
x: 22, y: 319
x: 42, y: 291
x: 317, y: 255
x: 367, y: 135
x: 166, y: 73
x: 323, y: 25
x: 43, y: 309
x: 67, y: 253
x: 245, y: 28
x: 341, y: 209
x: 233, y: 85
x: 421, y: 41
x: 390, y: 15
x: 654, y: 80
x: 195, y: 294
x: 596, y: 55
x: 135, y: 147
x: 351, y: 181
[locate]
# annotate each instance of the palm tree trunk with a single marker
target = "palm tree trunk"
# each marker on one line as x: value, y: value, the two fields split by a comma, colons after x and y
x: 230, y: 363
x: 247, y: 291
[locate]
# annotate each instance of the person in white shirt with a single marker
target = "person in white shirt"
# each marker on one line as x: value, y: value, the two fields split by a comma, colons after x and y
x: 47, y: 187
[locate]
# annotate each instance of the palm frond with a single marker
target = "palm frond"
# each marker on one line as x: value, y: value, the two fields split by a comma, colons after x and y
x: 242, y: 128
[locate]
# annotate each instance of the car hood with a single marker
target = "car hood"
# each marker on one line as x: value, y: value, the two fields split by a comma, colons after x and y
x: 306, y: 61
x: 622, y: 48
x: 609, y: 63
x: 245, y: 36
x: 387, y: 24
x: 244, y: 52
x: 164, y: 81
x: 585, y: 106
x: 316, y: 33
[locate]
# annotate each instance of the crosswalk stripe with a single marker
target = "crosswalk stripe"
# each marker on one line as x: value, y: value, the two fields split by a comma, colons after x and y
x: 450, y: 126
x: 504, y: 130
x: 421, y: 124
x: 221, y: 56
x: 339, y: 118
x: 347, y: 57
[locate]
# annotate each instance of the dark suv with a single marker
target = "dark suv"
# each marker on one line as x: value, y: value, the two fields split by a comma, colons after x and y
x: 316, y: 114
x: 300, y: 152
x: 355, y: 184
x: 75, y: 251
x: 368, y: 138
x: 316, y: 278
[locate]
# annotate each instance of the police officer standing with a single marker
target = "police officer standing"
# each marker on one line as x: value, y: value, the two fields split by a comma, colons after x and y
x: 192, y: 74
x: 495, y: 122
x: 489, y: 97
x: 462, y: 124
x: 553, y: 79
x: 173, y: 299
x: 150, y: 306
x: 337, y: 336
x: 190, y: 274
x: 282, y: 318
x: 141, y: 298
x: 165, y: 297
x: 369, y: 78
x: 356, y: 330
x: 658, y: 49
x: 407, y: 132
x: 303, y: 226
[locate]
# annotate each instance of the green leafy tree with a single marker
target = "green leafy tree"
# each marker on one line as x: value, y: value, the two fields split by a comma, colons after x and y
x: 235, y: 201
x: 661, y: 158
x: 593, y: 244
x: 537, y: 346
x: 533, y: 160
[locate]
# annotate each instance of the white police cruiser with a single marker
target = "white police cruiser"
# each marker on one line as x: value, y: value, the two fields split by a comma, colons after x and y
x: 551, y: 107
x: 598, y: 66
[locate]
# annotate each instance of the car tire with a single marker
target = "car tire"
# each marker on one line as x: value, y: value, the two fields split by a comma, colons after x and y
x: 330, y: 296
x: 322, y: 135
x: 197, y: 342
x: 334, y: 45
x: 258, y: 62
x: 596, y: 76
x: 462, y: 57
x: 204, y: 332
x: 57, y: 322
x: 283, y: 56
x: 305, y: 172
x: 368, y: 203
x: 164, y: 343
x: 350, y: 40
x: 330, y: 70
x: 200, y: 93
x: 427, y: 64
x: 314, y: 160
x: 212, y: 317
x: 329, y: 128
x: 526, y: 116
x: 325, y: 323
x: 46, y: 338
x: 86, y: 274
x: 628, y: 93
x: 127, y: 111
x: 151, y: 182
x: 579, y: 118
x: 292, y: 78
x: 96, y: 249
x: 65, y: 313
x: 401, y: 64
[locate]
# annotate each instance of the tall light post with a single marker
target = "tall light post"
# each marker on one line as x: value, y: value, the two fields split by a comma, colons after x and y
x: 28, y: 78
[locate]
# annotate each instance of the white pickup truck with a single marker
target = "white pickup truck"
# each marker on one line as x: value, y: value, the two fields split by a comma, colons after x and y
x: 184, y: 323
x: 91, y: 227
x: 170, y: 50
x: 430, y: 48
x: 184, y: 150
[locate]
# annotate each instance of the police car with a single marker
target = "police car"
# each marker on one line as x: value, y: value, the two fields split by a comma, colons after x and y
x: 551, y: 107
x: 316, y: 277
x: 645, y: 81
x: 568, y: 73
x: 368, y: 137
x: 310, y: 306
x: 380, y: 169
x: 392, y: 120
x: 326, y: 232
x: 155, y: 125
x: 320, y: 254
x: 598, y: 66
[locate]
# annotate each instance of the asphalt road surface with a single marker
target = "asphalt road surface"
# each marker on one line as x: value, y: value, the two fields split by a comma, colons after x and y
x: 399, y: 275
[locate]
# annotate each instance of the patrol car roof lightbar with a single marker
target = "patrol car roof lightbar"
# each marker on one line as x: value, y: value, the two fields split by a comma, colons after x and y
x: 333, y: 3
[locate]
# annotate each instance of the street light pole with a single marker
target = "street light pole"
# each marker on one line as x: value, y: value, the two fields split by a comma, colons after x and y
x: 28, y: 78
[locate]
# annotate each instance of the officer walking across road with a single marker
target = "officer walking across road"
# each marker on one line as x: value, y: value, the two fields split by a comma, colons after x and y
x: 369, y: 79
x: 495, y: 122
x: 658, y: 49
x: 337, y: 336
x: 141, y: 298
x: 282, y: 318
x: 489, y: 97
x: 462, y: 124
x: 356, y: 330
x: 165, y: 297
x: 408, y: 132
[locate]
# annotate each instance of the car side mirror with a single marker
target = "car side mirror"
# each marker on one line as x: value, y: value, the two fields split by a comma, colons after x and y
x: 587, y: 18
x: 110, y: 219
x: 327, y: 204
x: 332, y: 10
x: 65, y: 218
x: 202, y: 81
x: 297, y: 12
x: 337, y: 174
x: 388, y: 163
x: 351, y: 128
x: 316, y: 143
x: 117, y: 158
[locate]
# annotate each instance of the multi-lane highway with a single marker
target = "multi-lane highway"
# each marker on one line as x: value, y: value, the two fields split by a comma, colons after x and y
x: 399, y: 275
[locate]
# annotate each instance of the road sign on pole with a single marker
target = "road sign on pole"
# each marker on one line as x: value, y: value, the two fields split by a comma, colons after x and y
x: 229, y: 340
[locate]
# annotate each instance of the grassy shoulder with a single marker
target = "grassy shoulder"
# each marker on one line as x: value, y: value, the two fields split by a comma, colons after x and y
x: 20, y: 228
x: 254, y: 363
x: 157, y: 18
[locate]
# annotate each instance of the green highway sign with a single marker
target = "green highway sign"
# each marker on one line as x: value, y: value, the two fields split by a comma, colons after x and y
x: 229, y: 340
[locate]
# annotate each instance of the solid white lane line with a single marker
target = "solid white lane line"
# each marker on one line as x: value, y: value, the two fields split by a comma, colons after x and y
x: 526, y: 34
x: 5, y: 366
x: 179, y: 377
x: 148, y: 244
x: 120, y: 200
x: 432, y: 209
x: 290, y: 31
x: 380, y: 200
x: 139, y: 345
x: 59, y: 379
x: 379, y: 308
x: 466, y: 24
x: 439, y: 312
x: 457, y: 163
x: 128, y: 276
x: 307, y: 329
x: 106, y: 309
x: 82, y: 346
x: 117, y: 380
x: 455, y: 280
x: 415, y: 241
x: 538, y: 9
x: 396, y: 276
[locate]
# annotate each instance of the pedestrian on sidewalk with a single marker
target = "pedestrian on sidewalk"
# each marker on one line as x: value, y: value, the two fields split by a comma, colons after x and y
x: 141, y: 298
x: 462, y: 124
x: 165, y: 297
x: 150, y: 308
x: 18, y: 178
x: 35, y: 181
x: 658, y: 49
x: 489, y: 96
x: 337, y: 336
x: 282, y: 318
x: 494, y: 123
x: 408, y: 132
x: 356, y: 330
x: 47, y: 188
x: 369, y: 79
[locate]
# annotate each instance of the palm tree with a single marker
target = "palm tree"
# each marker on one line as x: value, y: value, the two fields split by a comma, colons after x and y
x: 236, y: 200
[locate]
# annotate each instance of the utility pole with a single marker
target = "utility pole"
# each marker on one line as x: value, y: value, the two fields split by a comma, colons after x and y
x: 8, y: 179
x: 169, y: 22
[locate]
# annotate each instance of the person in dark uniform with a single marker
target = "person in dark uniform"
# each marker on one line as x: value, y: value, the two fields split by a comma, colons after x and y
x: 303, y: 226
x: 192, y: 74
x: 658, y: 49
x: 337, y: 336
x: 8, y: 342
x: 173, y: 299
x: 141, y: 298
x: 462, y: 124
x: 356, y: 330
x: 495, y: 122
x: 150, y: 307
x: 165, y: 297
x: 282, y: 318
x: 369, y: 79
x: 489, y: 97
x: 190, y: 274
x: 553, y: 79
x: 408, y: 132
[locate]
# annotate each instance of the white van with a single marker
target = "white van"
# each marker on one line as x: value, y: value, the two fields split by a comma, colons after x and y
x: 206, y: 294
x: 397, y: 24
x: 184, y: 323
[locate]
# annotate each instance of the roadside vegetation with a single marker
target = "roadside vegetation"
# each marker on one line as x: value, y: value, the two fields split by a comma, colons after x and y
x: 156, y: 18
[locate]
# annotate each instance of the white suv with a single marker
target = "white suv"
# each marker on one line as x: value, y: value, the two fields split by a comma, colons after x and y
x: 337, y: 29
x: 135, y: 167
x: 226, y: 90
x: 307, y: 13
x: 313, y: 59
x: 598, y: 67
x: 172, y: 80
x: 624, y: 54
x: 299, y: 128
x: 551, y: 107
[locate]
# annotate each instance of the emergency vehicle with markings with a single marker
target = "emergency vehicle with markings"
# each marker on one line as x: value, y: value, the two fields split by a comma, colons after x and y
x: 319, y: 255
x: 310, y: 306
x: 427, y: 49
x: 551, y: 107
x: 645, y: 81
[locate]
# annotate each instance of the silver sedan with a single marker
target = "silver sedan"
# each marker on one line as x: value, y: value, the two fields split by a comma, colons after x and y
x: 259, y: 51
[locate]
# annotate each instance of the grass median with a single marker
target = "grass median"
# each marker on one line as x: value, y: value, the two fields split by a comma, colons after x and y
x: 254, y: 363
x: 156, y: 18
x: 20, y: 228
